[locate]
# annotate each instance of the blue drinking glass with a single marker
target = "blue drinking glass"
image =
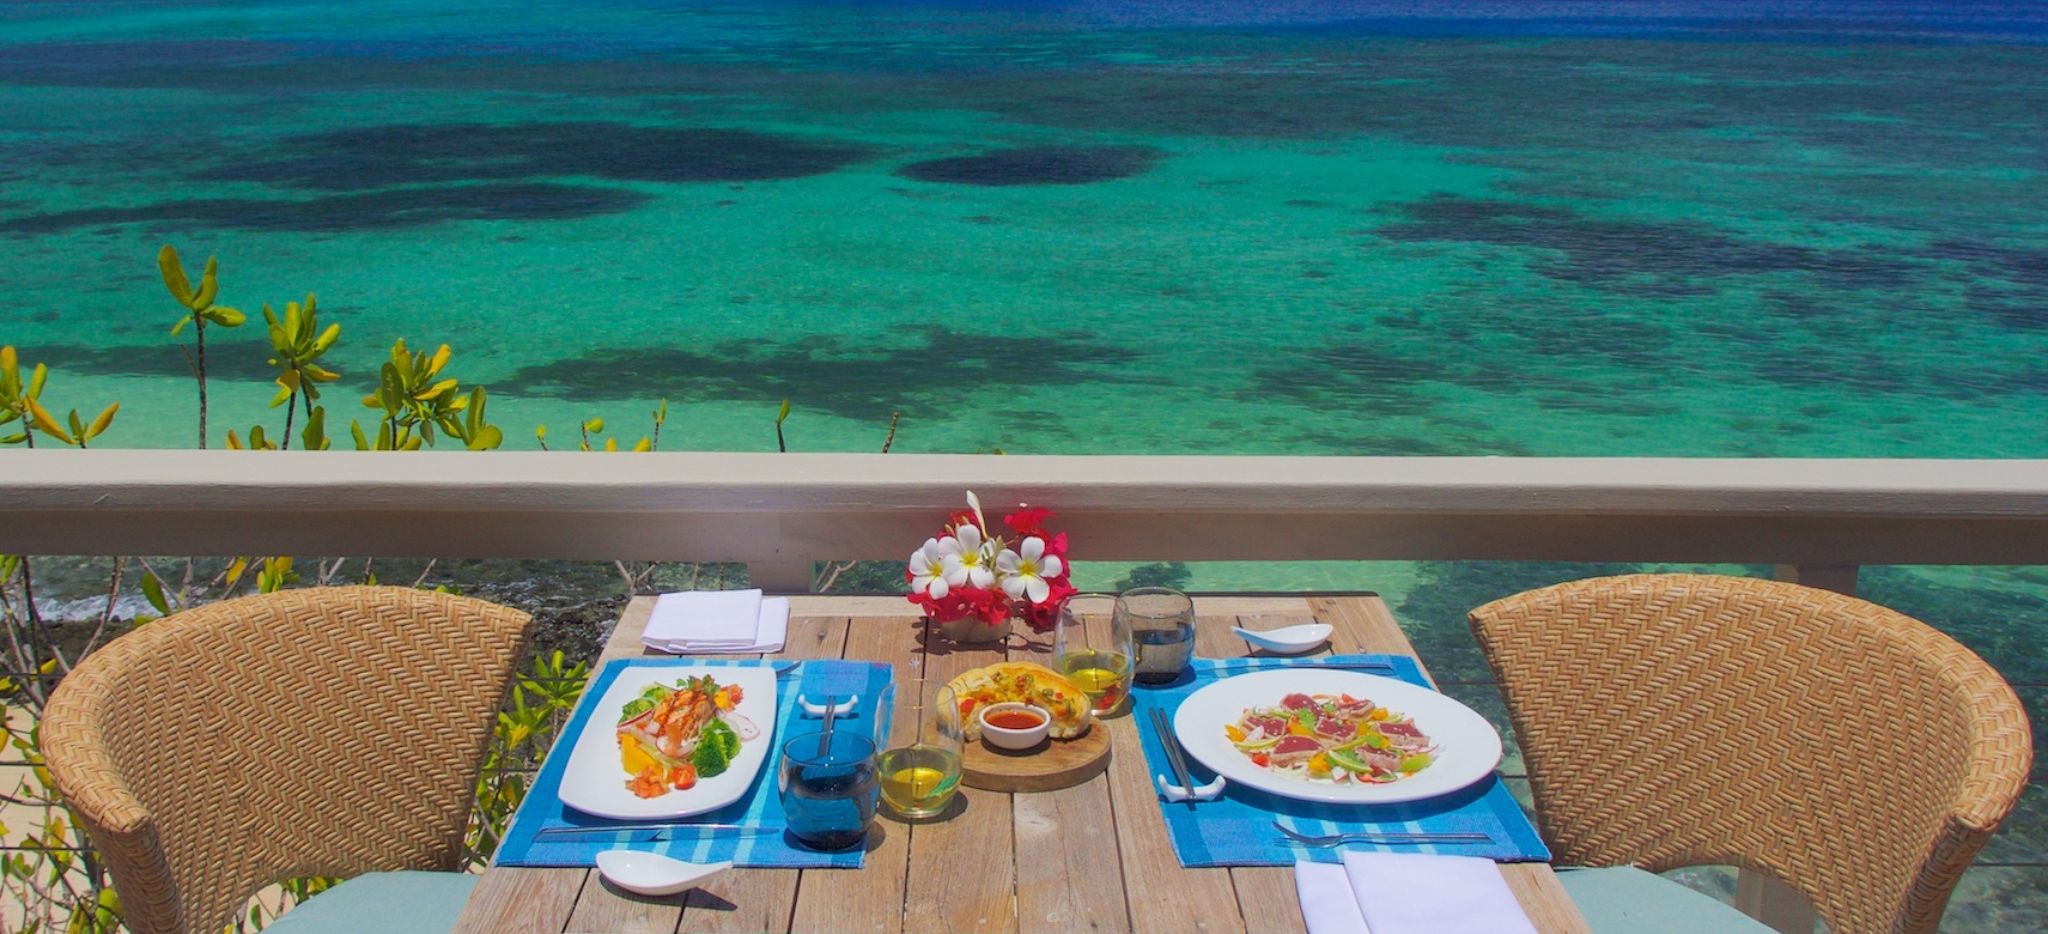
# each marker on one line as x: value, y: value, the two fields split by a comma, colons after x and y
x: 828, y: 788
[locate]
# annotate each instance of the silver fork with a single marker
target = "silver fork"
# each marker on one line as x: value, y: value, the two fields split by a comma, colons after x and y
x: 1379, y: 836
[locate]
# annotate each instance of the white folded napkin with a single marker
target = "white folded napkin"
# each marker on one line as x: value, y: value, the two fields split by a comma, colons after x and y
x: 738, y: 621
x: 1408, y: 893
x: 1326, y: 900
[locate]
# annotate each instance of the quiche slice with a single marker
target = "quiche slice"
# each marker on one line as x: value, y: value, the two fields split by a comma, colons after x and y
x: 1023, y: 681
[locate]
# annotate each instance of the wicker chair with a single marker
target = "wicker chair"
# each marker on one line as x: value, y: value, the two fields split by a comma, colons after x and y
x: 319, y: 732
x: 1674, y: 720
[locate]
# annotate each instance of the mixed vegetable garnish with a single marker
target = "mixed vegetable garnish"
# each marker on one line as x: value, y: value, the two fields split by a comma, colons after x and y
x: 671, y: 736
x: 1331, y: 737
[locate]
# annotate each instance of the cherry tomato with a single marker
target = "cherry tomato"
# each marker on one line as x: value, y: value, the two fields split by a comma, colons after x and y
x: 1260, y: 759
x: 684, y: 777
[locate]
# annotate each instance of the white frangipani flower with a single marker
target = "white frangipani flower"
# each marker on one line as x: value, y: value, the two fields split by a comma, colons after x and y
x: 928, y: 570
x: 1024, y: 572
x: 967, y: 564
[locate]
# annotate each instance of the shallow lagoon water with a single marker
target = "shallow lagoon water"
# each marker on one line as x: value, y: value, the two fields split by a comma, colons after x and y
x: 1663, y: 228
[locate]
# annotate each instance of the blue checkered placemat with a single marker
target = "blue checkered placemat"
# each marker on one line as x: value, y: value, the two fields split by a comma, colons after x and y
x: 1237, y: 828
x: 761, y: 807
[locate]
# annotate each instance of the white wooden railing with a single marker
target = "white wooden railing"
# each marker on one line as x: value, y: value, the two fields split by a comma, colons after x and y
x: 1818, y: 520
x: 778, y: 513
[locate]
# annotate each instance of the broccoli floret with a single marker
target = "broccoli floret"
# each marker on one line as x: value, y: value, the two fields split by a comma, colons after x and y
x: 716, y: 747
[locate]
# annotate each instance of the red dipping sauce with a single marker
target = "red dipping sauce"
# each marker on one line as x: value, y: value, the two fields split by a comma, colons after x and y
x: 1014, y: 719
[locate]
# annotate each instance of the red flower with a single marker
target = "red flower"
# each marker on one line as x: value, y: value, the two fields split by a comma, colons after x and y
x: 1028, y: 520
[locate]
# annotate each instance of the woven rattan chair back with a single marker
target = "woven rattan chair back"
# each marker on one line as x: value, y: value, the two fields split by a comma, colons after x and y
x: 1674, y: 720
x: 318, y: 732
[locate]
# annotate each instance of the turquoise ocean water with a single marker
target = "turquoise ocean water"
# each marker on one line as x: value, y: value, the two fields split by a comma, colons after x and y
x: 1567, y: 228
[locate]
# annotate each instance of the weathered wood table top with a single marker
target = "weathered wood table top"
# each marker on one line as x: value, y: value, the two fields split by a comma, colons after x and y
x: 1092, y: 857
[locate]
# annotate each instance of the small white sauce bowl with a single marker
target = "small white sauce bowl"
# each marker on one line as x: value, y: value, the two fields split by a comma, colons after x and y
x: 1006, y: 738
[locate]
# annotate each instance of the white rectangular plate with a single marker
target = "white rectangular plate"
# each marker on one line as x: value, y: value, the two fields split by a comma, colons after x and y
x: 595, y: 782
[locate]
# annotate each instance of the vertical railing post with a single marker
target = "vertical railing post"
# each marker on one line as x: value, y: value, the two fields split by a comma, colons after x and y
x: 788, y: 575
x: 1777, y: 905
x: 1840, y: 578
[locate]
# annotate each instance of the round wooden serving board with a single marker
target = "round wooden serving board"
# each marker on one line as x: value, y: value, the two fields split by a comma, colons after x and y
x: 1051, y: 765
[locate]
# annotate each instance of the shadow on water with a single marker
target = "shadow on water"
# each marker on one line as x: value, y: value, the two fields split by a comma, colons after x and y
x: 1667, y: 259
x: 1037, y: 165
x: 390, y: 177
x: 855, y: 379
x: 377, y: 210
x: 382, y: 156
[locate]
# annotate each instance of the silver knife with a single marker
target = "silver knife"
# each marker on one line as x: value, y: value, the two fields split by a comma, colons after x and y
x: 655, y: 831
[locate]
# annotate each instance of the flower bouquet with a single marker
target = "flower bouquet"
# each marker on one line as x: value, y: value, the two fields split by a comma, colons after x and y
x: 973, y: 584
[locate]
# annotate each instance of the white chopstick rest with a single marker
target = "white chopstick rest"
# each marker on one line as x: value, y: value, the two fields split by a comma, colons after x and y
x: 848, y: 707
x: 1173, y: 792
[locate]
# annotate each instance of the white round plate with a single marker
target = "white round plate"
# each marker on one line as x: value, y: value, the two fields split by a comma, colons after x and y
x: 595, y: 781
x: 1468, y: 747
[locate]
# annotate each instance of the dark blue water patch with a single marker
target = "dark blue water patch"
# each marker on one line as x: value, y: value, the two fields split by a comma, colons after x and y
x: 1037, y: 165
x: 365, y: 211
x: 227, y: 357
x: 1633, y: 256
x: 1366, y: 443
x: 860, y: 379
x: 382, y: 156
x: 2007, y: 284
x: 1865, y: 372
x: 2002, y: 624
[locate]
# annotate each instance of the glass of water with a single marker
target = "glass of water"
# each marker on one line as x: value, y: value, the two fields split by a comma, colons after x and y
x: 1162, y: 624
x: 828, y: 787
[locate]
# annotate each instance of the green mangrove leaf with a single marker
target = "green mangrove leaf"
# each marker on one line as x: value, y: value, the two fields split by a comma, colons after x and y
x: 391, y: 392
x: 43, y: 422
x: 594, y: 426
x: 180, y: 326
x: 783, y: 414
x: 153, y: 591
x: 355, y: 430
x: 486, y: 439
x: 314, y: 437
x: 174, y: 275
x: 36, y: 378
x: 644, y: 446
x: 209, y: 284
x: 224, y: 316
x: 327, y: 337
x: 103, y: 421
x: 435, y: 390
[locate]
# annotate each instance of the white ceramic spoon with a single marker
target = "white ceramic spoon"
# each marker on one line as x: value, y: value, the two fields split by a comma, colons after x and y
x: 653, y: 874
x: 1287, y: 640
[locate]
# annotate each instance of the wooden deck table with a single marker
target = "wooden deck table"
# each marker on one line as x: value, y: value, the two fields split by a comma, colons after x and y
x: 1092, y: 857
